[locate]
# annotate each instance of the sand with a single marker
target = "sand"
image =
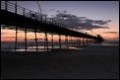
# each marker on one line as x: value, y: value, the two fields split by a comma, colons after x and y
x: 93, y: 62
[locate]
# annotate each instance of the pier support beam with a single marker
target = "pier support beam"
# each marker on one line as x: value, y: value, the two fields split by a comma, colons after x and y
x: 52, y: 40
x: 74, y: 42
x: 36, y: 41
x: 60, y: 41
x: 25, y: 39
x: 79, y: 41
x: 66, y: 40
x: 87, y: 41
x: 46, y: 41
x: 70, y: 41
x: 83, y: 42
x: 16, y: 29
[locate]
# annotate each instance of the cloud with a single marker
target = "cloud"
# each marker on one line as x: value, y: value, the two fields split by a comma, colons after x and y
x: 92, y: 24
x: 51, y: 9
x: 58, y: 11
x: 43, y: 10
x: 76, y: 22
x: 101, y: 22
x: 63, y: 12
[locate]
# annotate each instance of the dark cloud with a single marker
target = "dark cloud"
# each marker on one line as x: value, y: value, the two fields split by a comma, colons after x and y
x: 79, y: 22
x: 91, y: 24
x: 51, y: 9
x: 43, y: 10
x: 101, y: 22
x: 58, y: 11
x: 68, y: 19
x: 63, y: 12
x: 82, y: 17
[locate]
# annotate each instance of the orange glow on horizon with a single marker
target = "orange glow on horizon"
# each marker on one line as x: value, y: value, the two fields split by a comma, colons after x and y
x: 8, y: 35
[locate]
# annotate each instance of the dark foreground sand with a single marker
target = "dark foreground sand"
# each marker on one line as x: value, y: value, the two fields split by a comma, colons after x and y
x: 90, y: 63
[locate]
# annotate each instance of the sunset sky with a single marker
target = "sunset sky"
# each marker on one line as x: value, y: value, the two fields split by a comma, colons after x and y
x: 104, y: 12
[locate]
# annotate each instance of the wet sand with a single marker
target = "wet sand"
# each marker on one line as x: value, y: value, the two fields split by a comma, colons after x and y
x: 96, y: 62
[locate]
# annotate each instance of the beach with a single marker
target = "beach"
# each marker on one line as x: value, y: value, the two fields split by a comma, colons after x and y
x: 92, y: 62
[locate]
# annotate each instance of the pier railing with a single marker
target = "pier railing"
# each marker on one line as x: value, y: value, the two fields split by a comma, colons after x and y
x: 12, y: 7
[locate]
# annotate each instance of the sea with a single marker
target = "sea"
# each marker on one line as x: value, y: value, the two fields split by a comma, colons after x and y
x: 44, y: 48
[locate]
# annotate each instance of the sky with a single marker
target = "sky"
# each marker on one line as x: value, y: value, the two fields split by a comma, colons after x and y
x: 102, y: 13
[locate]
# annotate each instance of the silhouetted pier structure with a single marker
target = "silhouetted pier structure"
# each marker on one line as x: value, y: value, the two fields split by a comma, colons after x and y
x: 17, y: 17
